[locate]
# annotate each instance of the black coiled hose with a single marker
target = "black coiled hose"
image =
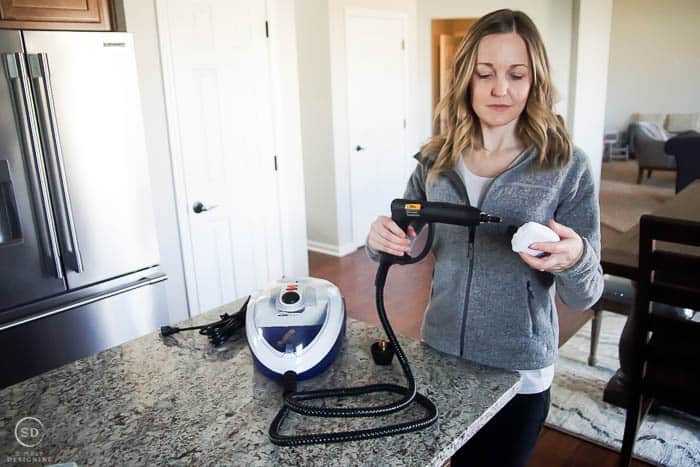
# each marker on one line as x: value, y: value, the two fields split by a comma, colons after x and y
x: 293, y: 400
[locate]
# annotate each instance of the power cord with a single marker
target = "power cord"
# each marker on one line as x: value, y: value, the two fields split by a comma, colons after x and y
x: 218, y: 332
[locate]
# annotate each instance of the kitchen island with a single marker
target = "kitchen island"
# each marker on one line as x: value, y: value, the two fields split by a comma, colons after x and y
x: 178, y: 401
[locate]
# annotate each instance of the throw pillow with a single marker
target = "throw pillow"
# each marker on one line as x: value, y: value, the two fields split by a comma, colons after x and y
x: 654, y: 130
x: 682, y: 122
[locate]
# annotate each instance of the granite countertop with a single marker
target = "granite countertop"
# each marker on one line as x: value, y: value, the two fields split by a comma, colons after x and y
x: 176, y: 401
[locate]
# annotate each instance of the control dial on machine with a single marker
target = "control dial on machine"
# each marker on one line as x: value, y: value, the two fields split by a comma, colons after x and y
x: 290, y: 299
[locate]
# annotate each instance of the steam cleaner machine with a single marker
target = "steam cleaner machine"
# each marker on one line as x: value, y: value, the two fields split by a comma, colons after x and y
x: 295, y: 330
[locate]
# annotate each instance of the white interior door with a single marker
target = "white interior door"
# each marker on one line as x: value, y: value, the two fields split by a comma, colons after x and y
x: 376, y: 72
x: 217, y: 78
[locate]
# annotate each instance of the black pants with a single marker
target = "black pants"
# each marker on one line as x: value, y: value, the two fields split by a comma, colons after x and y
x: 508, y: 439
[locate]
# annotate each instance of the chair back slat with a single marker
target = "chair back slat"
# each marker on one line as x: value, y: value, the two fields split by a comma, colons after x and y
x: 680, y: 328
x: 682, y: 297
x: 667, y: 229
x: 676, y: 263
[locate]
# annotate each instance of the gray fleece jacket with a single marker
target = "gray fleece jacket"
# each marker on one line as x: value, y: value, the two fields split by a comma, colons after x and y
x: 486, y: 304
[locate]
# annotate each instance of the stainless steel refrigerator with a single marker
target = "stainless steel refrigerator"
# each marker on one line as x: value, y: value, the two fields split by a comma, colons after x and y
x: 78, y: 250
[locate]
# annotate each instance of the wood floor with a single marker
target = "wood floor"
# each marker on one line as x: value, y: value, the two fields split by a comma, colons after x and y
x: 406, y: 296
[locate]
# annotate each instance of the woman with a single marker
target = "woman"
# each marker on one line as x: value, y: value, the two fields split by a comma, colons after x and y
x: 504, y: 150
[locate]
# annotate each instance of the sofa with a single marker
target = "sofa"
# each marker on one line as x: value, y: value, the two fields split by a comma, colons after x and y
x: 646, y: 143
x: 647, y: 136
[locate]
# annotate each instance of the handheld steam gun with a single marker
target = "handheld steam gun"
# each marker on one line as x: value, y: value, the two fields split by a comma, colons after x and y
x: 404, y: 212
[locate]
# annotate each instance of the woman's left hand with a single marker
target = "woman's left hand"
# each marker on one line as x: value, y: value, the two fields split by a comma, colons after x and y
x: 562, y: 254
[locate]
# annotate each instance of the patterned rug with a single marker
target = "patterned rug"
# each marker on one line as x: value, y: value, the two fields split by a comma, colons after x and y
x: 667, y: 438
x: 622, y: 204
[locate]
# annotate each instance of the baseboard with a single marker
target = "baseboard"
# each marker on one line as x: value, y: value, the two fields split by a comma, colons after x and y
x: 332, y: 250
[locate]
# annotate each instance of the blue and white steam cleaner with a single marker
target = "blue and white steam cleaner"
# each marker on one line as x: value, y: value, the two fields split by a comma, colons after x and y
x: 295, y: 327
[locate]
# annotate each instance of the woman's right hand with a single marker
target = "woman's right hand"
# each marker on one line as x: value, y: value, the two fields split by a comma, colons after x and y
x: 386, y: 236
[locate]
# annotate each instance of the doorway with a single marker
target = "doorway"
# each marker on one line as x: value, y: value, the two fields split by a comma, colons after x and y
x: 446, y: 35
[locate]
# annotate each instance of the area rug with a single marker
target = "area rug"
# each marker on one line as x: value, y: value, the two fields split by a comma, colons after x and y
x: 667, y: 438
x: 622, y: 204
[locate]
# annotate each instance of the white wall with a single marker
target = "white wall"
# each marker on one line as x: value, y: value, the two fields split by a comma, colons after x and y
x: 654, y: 59
x: 590, y: 57
x: 316, y: 121
x: 552, y: 18
x: 323, y: 91
x: 141, y: 22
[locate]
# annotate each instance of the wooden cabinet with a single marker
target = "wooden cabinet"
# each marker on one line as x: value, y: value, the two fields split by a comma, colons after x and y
x: 86, y: 15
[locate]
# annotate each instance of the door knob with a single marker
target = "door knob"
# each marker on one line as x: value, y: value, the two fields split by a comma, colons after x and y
x: 199, y: 207
x: 359, y: 148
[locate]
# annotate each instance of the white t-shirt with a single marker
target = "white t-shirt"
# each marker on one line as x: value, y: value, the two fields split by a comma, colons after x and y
x: 533, y: 381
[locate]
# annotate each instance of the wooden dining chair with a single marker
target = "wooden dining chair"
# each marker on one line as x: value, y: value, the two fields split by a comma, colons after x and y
x: 666, y: 350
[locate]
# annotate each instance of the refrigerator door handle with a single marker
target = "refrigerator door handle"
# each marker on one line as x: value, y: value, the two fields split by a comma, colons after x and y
x: 144, y: 281
x: 41, y: 83
x: 21, y: 96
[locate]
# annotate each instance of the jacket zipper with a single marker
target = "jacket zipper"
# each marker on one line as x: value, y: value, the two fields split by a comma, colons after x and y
x: 458, y: 184
x: 462, y: 190
x: 470, y: 257
x: 530, y: 309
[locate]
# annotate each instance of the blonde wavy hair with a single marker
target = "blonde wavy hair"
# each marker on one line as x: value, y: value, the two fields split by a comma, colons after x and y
x: 538, y: 124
